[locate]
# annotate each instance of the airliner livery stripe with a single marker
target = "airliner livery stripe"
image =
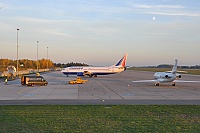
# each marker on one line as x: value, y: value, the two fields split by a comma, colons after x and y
x: 122, y: 62
x: 75, y: 73
x: 118, y: 64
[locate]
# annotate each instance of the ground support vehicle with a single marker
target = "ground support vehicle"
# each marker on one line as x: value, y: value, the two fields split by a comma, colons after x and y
x: 78, y: 81
x: 33, y: 80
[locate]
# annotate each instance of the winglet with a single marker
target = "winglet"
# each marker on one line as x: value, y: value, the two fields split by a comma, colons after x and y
x: 122, y: 62
x: 175, y: 67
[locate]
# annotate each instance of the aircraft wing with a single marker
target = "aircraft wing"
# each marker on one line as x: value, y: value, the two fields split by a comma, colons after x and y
x: 150, y: 81
x: 145, y: 81
x: 177, y: 71
x: 160, y: 81
x: 185, y: 81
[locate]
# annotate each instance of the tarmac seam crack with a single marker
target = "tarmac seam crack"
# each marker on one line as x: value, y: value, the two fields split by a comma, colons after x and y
x: 105, y: 86
x: 153, y: 93
x: 24, y: 94
x: 185, y: 90
x: 50, y: 93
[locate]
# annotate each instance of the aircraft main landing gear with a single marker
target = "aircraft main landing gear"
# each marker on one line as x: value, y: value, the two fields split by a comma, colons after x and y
x: 173, y: 84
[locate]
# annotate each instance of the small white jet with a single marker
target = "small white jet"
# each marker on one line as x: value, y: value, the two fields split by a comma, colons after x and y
x: 94, y: 71
x: 169, y: 76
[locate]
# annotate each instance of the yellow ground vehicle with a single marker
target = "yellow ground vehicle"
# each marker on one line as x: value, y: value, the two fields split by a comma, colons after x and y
x: 78, y: 81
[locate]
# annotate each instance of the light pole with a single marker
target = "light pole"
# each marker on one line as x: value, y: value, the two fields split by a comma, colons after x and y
x: 17, y: 52
x: 37, y: 56
x: 47, y: 59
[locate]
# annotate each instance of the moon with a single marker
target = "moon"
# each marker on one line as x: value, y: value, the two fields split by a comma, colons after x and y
x: 154, y: 18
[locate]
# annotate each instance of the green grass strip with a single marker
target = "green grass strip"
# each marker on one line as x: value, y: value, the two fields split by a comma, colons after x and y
x: 100, y: 118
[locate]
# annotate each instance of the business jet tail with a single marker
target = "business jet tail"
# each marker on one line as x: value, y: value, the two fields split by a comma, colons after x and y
x: 122, y: 62
x: 174, y: 67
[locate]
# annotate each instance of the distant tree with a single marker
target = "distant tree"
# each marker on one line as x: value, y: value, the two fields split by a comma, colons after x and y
x: 164, y: 66
x: 25, y: 64
x: 185, y: 67
x: 4, y: 63
x: 195, y: 67
x: 69, y: 64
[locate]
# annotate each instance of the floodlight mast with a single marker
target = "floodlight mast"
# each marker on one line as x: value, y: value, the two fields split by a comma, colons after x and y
x: 37, y: 57
x: 47, y: 58
x: 17, y: 52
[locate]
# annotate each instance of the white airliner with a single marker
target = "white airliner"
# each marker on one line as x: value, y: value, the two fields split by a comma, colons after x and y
x: 94, y: 71
x: 171, y: 76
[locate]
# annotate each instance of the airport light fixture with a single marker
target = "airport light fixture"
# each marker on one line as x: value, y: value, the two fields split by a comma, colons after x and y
x: 17, y: 51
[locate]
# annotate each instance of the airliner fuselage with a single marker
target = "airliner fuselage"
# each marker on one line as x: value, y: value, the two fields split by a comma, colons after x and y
x: 80, y: 71
x: 94, y: 71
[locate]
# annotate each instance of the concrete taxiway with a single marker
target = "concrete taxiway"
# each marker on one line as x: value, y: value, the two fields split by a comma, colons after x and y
x: 110, y: 89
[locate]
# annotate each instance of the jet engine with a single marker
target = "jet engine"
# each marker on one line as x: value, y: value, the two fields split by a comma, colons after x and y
x: 168, y: 76
x: 178, y: 76
x: 80, y: 74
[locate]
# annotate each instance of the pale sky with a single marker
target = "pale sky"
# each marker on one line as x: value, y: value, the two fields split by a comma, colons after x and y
x: 100, y: 32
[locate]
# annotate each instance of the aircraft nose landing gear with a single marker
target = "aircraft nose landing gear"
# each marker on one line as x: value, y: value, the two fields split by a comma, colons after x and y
x: 156, y: 84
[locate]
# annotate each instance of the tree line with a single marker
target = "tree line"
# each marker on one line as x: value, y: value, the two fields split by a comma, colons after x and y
x: 183, y: 67
x: 171, y: 66
x: 62, y: 65
x: 25, y: 64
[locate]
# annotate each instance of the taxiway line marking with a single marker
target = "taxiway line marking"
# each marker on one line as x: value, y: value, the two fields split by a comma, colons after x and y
x: 103, y: 86
x: 20, y: 92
